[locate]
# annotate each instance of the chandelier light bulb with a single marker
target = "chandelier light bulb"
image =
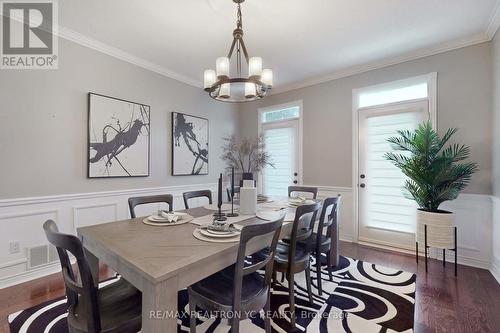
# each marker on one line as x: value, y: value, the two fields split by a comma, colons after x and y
x: 254, y: 67
x: 225, y: 91
x: 209, y: 78
x: 267, y: 77
x: 250, y: 90
x: 222, y: 67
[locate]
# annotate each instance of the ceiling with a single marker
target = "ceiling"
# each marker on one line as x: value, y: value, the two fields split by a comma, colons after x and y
x: 303, y: 41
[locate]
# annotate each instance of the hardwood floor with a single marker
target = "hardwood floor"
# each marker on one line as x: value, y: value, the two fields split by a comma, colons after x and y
x: 469, y: 303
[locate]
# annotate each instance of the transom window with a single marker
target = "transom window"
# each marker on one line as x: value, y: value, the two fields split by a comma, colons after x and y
x: 280, y: 114
x: 388, y: 95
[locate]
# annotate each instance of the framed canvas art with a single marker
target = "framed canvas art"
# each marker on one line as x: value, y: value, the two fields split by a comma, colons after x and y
x: 118, y: 138
x: 189, y: 145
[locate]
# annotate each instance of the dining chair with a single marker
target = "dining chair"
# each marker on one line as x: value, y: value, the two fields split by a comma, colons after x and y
x: 326, y: 239
x: 196, y: 194
x: 293, y: 256
x: 136, y: 201
x: 239, y: 290
x: 236, y: 192
x: 115, y: 308
x: 303, y: 189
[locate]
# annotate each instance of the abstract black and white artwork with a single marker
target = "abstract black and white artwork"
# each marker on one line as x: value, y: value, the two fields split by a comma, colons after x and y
x: 189, y: 145
x: 119, y: 138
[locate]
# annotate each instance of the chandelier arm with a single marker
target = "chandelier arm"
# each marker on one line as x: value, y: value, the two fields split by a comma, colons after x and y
x: 243, y: 47
x: 230, y: 54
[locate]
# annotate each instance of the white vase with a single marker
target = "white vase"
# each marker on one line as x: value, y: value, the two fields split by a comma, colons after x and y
x: 440, y: 229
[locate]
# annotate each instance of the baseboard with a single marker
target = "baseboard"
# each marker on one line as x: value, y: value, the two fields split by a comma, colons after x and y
x: 30, y: 275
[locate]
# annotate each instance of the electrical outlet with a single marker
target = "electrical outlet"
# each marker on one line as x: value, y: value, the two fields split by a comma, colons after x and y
x: 15, y: 247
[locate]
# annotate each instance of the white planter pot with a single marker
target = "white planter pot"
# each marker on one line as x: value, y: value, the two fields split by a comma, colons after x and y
x: 440, y: 229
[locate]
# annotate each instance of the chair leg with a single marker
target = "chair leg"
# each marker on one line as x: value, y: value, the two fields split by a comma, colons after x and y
x: 273, y: 280
x: 192, y: 317
x: 318, y: 272
x: 291, y: 295
x: 267, y: 314
x: 330, y: 264
x: 308, y: 283
x: 444, y: 257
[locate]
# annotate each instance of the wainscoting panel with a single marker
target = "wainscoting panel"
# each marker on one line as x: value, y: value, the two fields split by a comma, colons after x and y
x: 346, y: 209
x: 19, y: 218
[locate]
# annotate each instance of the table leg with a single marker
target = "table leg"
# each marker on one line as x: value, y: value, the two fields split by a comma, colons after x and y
x: 93, y: 262
x: 159, y: 306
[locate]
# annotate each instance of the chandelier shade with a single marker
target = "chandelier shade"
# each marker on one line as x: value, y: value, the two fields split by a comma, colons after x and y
x: 255, y: 85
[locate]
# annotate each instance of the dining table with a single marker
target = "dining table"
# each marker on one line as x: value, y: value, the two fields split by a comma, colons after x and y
x: 160, y: 261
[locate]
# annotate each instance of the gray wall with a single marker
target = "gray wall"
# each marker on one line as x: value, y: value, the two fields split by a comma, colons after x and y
x: 464, y: 101
x: 43, y: 115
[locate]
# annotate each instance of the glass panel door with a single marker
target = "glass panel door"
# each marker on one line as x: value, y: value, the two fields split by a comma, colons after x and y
x: 282, y: 144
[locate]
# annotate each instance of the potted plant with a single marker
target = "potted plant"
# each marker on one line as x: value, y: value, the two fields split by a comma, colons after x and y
x: 435, y: 174
x: 247, y: 155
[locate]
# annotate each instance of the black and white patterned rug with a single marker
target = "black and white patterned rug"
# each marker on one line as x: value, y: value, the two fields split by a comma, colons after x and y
x: 362, y: 298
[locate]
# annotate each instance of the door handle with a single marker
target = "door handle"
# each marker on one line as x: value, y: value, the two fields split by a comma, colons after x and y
x: 295, y: 182
x: 362, y: 176
x: 295, y: 174
x: 362, y: 185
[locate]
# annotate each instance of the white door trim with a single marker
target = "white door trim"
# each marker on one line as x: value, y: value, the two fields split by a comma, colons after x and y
x: 298, y: 104
x: 431, y: 80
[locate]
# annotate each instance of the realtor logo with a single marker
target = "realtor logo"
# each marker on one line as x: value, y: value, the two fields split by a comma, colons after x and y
x: 29, y: 35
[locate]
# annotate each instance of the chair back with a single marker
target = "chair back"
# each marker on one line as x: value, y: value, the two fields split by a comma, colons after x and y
x: 76, y: 292
x: 135, y: 201
x: 196, y: 194
x: 302, y: 230
x: 265, y: 258
x: 304, y: 189
x: 328, y: 219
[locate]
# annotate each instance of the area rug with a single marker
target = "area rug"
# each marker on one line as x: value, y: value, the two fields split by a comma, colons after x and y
x: 362, y: 298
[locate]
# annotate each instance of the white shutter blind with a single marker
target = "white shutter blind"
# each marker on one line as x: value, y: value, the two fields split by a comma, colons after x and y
x: 386, y: 207
x: 279, y: 144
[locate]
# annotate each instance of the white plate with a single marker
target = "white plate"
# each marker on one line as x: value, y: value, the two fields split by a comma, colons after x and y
x: 180, y: 215
x: 225, y: 235
x: 167, y: 224
x: 156, y: 218
x: 270, y: 215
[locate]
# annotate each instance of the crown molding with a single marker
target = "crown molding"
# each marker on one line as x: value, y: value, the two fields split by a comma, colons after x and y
x: 494, y: 22
x: 96, y: 45
x: 418, y: 54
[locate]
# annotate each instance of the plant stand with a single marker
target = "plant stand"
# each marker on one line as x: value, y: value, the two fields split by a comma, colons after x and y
x: 444, y: 250
x: 436, y: 230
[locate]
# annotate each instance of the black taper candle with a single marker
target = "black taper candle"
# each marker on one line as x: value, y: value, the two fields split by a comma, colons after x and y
x: 219, y: 202
x: 232, y: 183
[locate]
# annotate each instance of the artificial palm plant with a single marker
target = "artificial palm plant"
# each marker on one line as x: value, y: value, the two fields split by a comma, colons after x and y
x: 432, y: 165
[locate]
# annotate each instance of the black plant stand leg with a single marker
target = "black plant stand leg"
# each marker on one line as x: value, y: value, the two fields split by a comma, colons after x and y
x: 416, y: 251
x: 425, y: 238
x: 456, y: 247
x: 444, y: 257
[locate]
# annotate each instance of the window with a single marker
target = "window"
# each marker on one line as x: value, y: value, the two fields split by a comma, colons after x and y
x: 281, y: 114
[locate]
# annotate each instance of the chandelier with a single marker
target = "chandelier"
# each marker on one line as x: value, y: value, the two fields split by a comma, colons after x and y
x: 220, y: 86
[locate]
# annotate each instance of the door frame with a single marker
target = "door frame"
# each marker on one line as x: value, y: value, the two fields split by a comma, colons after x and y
x: 431, y: 80
x: 299, y: 104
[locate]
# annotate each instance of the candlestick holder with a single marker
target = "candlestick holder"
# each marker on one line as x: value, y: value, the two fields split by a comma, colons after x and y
x: 232, y: 214
x: 219, y: 215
